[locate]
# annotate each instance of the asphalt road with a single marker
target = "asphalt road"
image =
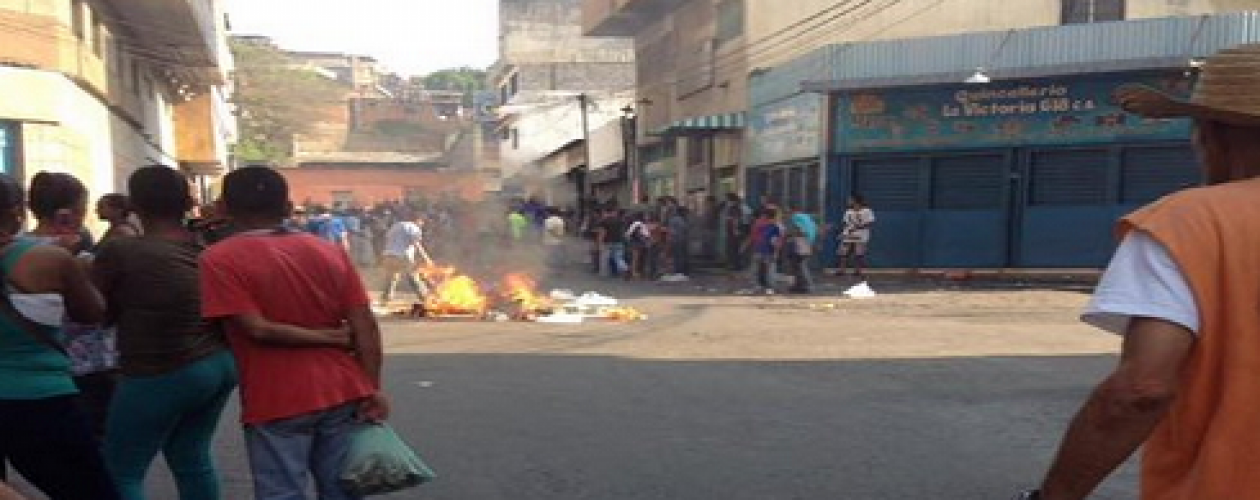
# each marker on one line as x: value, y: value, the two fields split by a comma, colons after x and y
x: 917, y: 394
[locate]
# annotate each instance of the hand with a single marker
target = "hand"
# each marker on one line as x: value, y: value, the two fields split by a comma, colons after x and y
x: 374, y: 409
x: 342, y: 337
x: 1143, y: 100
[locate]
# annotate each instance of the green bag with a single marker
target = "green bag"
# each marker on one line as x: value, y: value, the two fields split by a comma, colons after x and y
x: 379, y: 462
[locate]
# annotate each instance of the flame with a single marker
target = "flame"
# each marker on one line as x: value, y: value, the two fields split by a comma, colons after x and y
x: 457, y: 295
x: 523, y: 291
x: 624, y: 314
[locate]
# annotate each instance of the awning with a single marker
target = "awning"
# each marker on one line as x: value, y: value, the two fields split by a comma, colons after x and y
x: 701, y: 124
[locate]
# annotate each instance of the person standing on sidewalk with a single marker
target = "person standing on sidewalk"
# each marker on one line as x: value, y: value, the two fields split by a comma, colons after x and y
x: 555, y: 232
x: 177, y: 373
x: 1183, y: 290
x: 766, y: 242
x: 404, y: 249
x: 855, y: 237
x: 802, y: 233
x: 300, y: 325
x: 610, y: 239
x: 44, y: 436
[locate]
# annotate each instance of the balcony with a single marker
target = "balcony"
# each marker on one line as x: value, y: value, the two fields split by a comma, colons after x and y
x: 623, y: 18
x: 185, y: 34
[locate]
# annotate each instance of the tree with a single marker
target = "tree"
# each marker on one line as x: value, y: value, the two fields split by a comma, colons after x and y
x: 467, y: 80
x: 276, y: 100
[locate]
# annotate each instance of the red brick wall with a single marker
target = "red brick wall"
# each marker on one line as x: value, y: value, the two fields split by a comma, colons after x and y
x: 315, y: 185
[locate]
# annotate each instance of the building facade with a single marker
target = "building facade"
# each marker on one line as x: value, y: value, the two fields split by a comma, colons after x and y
x: 108, y: 86
x: 555, y: 86
x: 1025, y: 163
x: 790, y: 102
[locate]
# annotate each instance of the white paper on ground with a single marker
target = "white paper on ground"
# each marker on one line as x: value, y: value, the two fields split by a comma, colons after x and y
x: 860, y: 291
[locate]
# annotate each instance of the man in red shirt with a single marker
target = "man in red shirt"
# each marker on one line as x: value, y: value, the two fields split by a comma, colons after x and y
x: 300, y: 325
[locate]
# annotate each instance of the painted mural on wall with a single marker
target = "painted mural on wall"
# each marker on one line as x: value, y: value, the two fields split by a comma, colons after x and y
x: 786, y: 130
x: 1058, y: 111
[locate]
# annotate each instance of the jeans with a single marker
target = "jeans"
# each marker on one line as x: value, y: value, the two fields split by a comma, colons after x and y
x: 96, y: 390
x: 396, y: 267
x: 682, y: 258
x: 175, y: 413
x: 613, y: 259
x: 49, y: 443
x: 765, y: 271
x: 285, y: 453
x: 800, y: 266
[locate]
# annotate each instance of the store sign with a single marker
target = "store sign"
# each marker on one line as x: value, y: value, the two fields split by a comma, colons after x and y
x: 787, y: 130
x: 1060, y: 111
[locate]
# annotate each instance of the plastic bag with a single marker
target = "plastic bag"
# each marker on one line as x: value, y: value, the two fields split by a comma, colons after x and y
x: 379, y: 462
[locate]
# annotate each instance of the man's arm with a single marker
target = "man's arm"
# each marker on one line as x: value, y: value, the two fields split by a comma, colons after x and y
x: 366, y: 339
x: 279, y: 334
x: 1123, y: 410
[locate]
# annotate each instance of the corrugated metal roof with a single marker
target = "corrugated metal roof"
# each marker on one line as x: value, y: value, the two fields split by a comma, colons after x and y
x: 1023, y: 53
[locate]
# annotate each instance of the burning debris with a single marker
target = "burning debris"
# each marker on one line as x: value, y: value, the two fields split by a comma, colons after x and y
x: 456, y: 296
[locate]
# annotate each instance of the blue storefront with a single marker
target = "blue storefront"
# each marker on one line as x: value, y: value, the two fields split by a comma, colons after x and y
x: 1029, y: 167
x: 1021, y: 173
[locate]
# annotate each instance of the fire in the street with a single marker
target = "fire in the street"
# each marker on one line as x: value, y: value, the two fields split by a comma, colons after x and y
x: 457, y: 295
x: 516, y: 297
x: 523, y: 292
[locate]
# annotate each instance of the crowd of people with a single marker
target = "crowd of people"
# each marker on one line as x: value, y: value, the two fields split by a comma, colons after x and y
x: 658, y: 240
x: 117, y: 350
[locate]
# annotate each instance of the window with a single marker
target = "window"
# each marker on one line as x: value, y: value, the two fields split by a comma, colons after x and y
x: 78, y: 21
x: 1092, y: 11
x: 9, y: 157
x: 730, y: 20
x: 98, y: 37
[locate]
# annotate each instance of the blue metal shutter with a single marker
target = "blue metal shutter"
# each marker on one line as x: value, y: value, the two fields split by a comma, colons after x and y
x: 969, y: 182
x: 1149, y: 173
x: 889, y: 183
x: 1069, y: 177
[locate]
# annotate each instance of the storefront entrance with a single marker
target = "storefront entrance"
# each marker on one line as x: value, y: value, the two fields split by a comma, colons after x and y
x: 1045, y: 207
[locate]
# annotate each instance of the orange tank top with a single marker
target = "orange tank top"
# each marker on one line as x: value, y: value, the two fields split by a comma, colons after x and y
x: 1208, y: 447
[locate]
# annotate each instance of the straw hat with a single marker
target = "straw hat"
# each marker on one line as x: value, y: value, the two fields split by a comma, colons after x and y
x: 1227, y: 91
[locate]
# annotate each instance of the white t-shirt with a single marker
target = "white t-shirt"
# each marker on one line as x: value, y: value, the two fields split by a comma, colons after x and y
x: 1142, y: 281
x: 401, y: 239
x: 853, y: 222
x: 553, y: 230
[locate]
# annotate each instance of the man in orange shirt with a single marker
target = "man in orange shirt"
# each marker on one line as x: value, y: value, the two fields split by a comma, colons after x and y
x: 1184, y: 291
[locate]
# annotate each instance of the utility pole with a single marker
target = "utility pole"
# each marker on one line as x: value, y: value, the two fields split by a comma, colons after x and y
x: 584, y: 181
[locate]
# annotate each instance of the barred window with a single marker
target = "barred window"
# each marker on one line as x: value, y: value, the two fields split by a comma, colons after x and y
x: 1092, y: 11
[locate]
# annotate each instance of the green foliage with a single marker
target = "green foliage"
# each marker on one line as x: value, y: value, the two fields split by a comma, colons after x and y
x: 277, y: 100
x: 465, y: 79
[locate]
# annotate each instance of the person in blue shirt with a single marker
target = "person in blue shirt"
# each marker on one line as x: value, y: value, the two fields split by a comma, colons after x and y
x: 328, y: 227
x: 766, y: 242
x: 802, y: 234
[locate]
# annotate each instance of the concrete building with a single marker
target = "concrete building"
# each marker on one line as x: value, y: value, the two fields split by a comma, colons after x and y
x: 98, y: 88
x: 991, y: 146
x: 696, y: 59
x: 544, y: 65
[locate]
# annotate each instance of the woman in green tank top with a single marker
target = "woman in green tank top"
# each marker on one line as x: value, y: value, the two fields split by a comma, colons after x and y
x: 42, y: 433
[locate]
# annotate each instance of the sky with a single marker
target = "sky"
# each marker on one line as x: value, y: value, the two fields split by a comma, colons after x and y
x: 412, y: 37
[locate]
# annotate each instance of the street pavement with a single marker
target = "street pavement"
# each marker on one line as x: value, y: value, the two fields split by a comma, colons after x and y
x: 922, y: 392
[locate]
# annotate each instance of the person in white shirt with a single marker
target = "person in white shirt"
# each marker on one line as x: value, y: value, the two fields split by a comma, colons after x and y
x: 855, y: 238
x: 404, y: 246
x: 554, y: 230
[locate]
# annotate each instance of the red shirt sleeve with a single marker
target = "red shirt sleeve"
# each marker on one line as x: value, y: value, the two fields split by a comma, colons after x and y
x: 224, y: 292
